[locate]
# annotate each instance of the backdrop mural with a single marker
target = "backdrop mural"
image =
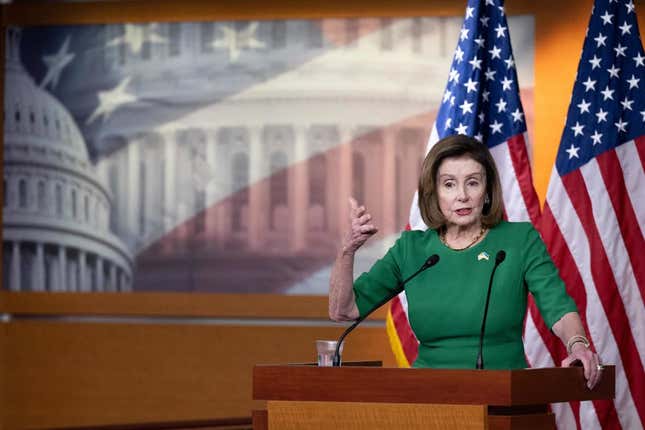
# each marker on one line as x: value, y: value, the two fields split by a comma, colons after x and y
x: 216, y: 156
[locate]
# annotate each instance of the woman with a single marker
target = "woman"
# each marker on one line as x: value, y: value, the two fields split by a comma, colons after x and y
x: 461, y: 202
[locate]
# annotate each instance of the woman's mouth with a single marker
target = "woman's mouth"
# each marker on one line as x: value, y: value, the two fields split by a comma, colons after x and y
x: 463, y: 212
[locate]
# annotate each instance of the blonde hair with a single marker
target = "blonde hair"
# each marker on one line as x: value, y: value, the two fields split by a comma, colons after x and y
x: 451, y: 147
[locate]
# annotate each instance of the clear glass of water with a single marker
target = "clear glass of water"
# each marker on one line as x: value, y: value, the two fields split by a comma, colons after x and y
x: 325, y: 350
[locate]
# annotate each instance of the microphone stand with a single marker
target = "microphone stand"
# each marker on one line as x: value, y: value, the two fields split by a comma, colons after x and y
x: 431, y: 261
x: 501, y: 255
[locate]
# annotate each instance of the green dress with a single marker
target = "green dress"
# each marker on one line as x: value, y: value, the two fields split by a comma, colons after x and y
x: 446, y: 302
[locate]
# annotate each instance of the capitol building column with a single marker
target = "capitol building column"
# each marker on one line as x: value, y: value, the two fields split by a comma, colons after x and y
x: 100, y: 286
x: 62, y: 265
x: 223, y: 205
x: 389, y: 181
x: 345, y: 171
x: 83, y: 284
x: 299, y: 191
x: 14, y: 278
x: 134, y: 200
x: 123, y: 281
x: 211, y: 207
x: 72, y: 274
x: 257, y: 210
x: 112, y: 283
x: 170, y: 205
x: 39, y: 269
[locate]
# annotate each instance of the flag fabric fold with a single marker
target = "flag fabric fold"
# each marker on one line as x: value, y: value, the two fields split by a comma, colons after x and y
x: 594, y: 214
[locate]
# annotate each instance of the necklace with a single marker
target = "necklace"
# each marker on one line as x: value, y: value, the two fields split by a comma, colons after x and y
x: 442, y: 236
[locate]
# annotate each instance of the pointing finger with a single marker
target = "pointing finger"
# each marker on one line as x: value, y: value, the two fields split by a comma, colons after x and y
x: 363, y: 219
x: 353, y: 204
x: 368, y: 228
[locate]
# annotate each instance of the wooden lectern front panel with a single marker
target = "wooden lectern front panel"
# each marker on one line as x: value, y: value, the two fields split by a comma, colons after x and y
x: 260, y: 419
x: 297, y: 415
x: 522, y: 422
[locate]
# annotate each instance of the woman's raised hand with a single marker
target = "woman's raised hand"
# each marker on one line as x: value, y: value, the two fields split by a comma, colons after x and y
x: 361, y: 227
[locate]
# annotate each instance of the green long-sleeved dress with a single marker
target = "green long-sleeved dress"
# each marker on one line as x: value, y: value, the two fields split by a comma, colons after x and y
x: 446, y: 302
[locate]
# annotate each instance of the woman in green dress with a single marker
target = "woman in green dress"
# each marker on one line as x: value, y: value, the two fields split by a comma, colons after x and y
x: 461, y: 202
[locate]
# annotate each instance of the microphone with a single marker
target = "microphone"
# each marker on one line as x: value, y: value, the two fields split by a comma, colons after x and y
x: 431, y: 261
x: 501, y: 255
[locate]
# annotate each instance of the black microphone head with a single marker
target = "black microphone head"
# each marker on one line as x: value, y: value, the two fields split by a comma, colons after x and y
x: 501, y: 255
x: 432, y: 260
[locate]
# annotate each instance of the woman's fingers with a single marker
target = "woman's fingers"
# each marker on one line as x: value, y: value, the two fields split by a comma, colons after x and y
x: 358, y: 214
x: 594, y: 374
x: 590, y: 363
x: 594, y: 370
x: 355, y: 210
x: 353, y: 204
x: 567, y: 361
x: 368, y: 229
x: 361, y: 229
x: 586, y: 364
x: 363, y: 232
x: 363, y: 219
x: 597, y: 371
x: 598, y: 375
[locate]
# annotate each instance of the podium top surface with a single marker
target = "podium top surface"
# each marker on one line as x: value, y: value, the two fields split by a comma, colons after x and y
x: 447, y: 386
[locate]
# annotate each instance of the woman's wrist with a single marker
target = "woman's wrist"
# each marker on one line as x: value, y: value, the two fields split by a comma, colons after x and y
x: 347, y: 251
x: 578, y: 340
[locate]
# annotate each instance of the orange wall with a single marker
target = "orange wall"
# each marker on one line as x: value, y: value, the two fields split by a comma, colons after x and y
x: 560, y: 31
x: 77, y: 372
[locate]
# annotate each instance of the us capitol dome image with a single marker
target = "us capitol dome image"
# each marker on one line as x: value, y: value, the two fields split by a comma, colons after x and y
x: 56, y: 234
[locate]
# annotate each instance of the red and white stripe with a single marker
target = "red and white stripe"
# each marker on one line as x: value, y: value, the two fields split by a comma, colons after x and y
x: 593, y: 225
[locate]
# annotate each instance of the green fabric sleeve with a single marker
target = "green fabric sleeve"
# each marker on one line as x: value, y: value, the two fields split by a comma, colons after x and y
x: 381, y: 281
x: 544, y: 282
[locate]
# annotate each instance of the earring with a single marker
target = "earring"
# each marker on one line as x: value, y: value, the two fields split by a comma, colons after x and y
x: 486, y: 200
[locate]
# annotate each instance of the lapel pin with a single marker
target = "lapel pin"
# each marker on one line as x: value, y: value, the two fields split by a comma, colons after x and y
x: 483, y: 256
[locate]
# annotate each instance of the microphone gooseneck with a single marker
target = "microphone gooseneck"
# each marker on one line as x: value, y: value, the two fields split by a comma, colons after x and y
x: 501, y: 255
x: 431, y: 261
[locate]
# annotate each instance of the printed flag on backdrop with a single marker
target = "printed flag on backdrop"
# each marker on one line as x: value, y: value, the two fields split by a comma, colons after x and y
x: 225, y: 150
x: 594, y: 214
x: 219, y: 151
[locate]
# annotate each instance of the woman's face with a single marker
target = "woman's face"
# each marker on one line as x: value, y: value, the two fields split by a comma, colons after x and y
x: 461, y: 188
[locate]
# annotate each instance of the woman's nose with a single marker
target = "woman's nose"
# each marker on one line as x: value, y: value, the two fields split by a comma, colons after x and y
x: 463, y: 194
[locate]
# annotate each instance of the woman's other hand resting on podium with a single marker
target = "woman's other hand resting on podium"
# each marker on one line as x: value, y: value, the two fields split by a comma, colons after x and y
x: 570, y: 330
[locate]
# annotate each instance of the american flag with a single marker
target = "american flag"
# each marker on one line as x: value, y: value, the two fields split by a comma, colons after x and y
x: 482, y: 100
x: 593, y: 218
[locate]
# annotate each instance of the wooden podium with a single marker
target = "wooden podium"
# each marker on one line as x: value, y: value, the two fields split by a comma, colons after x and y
x: 375, y: 398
